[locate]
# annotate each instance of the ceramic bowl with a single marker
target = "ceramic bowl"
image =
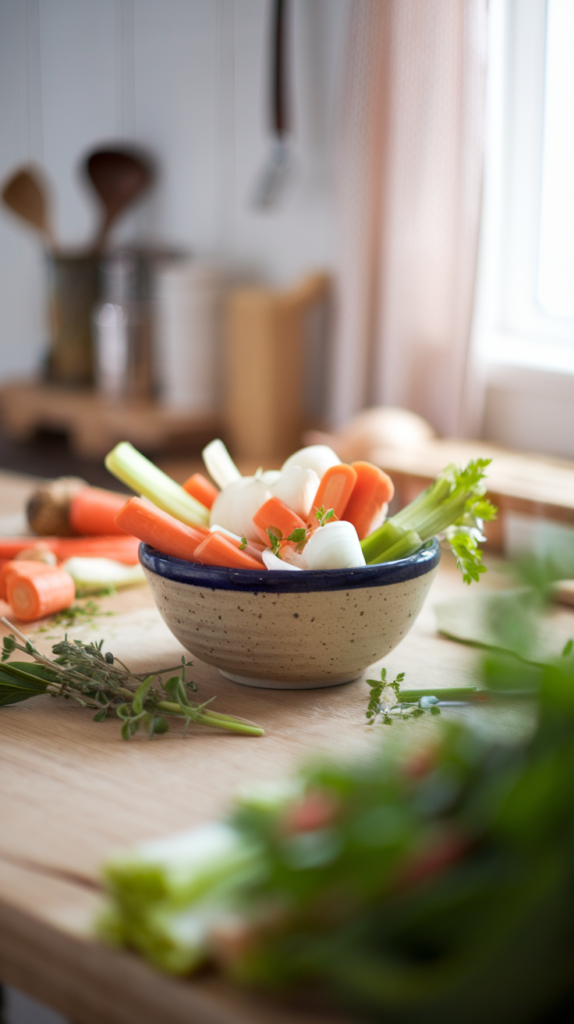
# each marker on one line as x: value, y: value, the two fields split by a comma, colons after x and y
x: 290, y: 630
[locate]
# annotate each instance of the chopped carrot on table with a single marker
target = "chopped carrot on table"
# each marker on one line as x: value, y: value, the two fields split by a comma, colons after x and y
x: 40, y: 594
x: 92, y: 511
x: 19, y: 567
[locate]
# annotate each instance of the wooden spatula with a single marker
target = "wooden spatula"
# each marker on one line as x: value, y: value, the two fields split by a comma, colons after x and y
x: 25, y: 193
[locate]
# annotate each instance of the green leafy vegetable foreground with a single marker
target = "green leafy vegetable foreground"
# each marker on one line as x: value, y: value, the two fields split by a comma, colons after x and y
x: 454, y: 506
x: 427, y: 886
x: 96, y: 679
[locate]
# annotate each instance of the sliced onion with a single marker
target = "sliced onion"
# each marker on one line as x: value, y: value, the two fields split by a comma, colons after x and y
x: 272, y: 562
x: 235, y: 506
x: 297, y: 487
x: 334, y: 546
x: 315, y: 456
x: 219, y: 464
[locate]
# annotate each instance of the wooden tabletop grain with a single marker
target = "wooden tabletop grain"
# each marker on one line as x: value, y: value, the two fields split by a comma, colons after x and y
x: 72, y: 793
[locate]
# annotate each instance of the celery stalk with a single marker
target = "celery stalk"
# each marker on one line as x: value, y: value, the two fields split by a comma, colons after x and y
x: 405, y: 546
x: 454, y: 503
x: 133, y: 469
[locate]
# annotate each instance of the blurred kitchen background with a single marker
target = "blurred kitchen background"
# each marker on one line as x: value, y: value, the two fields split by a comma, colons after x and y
x: 330, y: 206
x: 391, y: 226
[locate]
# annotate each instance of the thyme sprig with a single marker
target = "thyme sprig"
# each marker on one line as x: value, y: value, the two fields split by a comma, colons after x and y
x: 98, y: 680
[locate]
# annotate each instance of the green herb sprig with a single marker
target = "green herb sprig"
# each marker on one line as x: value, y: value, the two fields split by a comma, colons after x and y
x: 97, y: 680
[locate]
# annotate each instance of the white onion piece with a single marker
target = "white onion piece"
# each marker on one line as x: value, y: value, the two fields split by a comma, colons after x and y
x: 297, y: 487
x: 334, y: 546
x: 272, y: 562
x: 219, y: 464
x: 288, y: 554
x: 235, y: 506
x: 316, y: 456
x: 269, y: 477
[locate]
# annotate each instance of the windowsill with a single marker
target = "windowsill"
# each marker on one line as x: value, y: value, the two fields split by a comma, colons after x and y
x: 530, y: 395
x: 523, y: 352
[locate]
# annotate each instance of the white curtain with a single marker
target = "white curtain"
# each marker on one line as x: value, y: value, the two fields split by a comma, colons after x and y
x: 410, y: 171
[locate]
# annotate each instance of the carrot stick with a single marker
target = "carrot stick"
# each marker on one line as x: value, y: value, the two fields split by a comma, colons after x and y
x: 219, y: 550
x: 372, y: 491
x: 160, y: 529
x: 201, y: 489
x: 34, y: 597
x: 251, y: 547
x: 119, y: 549
x: 335, y: 489
x: 19, y: 568
x: 275, y: 514
x: 92, y: 511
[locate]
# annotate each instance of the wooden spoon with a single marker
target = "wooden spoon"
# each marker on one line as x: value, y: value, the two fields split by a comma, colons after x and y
x: 26, y: 195
x: 119, y: 176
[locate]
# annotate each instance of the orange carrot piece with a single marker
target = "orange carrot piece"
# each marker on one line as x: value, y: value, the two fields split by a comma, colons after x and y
x: 335, y: 489
x: 217, y: 549
x: 275, y: 514
x: 252, y: 547
x: 201, y: 489
x: 92, y: 512
x: 160, y: 529
x: 372, y: 491
x: 34, y: 597
x: 19, y: 567
x: 118, y: 548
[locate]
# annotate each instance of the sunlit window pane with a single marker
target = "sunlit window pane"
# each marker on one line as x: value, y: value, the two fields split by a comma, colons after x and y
x: 556, y: 262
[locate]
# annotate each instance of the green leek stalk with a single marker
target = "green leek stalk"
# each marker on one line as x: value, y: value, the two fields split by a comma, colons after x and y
x: 137, y: 472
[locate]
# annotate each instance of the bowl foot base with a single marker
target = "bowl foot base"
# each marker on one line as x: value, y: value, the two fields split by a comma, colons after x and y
x: 279, y: 684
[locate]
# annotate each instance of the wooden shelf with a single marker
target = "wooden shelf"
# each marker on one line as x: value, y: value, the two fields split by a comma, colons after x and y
x: 94, y: 424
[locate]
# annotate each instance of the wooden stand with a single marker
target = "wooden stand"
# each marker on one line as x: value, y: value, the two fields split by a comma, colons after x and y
x: 95, y: 425
x: 264, y: 367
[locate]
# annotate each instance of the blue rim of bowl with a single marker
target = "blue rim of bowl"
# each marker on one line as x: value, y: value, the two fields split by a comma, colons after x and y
x: 280, y: 581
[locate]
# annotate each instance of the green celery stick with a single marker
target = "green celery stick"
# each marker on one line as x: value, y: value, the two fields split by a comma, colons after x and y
x: 133, y: 469
x: 385, y: 537
x: 404, y: 546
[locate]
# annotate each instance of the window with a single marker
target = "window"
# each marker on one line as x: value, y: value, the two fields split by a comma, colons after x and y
x: 525, y: 305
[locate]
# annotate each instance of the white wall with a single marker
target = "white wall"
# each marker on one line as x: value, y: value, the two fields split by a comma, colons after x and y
x: 186, y: 79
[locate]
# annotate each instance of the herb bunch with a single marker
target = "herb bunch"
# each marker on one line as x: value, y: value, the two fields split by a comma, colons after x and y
x: 97, y: 680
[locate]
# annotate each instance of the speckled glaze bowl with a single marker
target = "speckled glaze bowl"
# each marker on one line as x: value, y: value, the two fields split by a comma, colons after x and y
x: 290, y: 630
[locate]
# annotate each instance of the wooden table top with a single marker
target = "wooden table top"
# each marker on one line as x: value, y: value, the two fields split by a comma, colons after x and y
x: 72, y: 793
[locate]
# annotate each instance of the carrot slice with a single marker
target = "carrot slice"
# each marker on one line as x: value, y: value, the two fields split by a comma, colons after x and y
x: 275, y: 514
x: 20, y: 567
x: 201, y: 489
x: 160, y: 529
x: 34, y: 597
x: 372, y: 491
x: 335, y: 488
x: 92, y: 511
x: 219, y: 550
